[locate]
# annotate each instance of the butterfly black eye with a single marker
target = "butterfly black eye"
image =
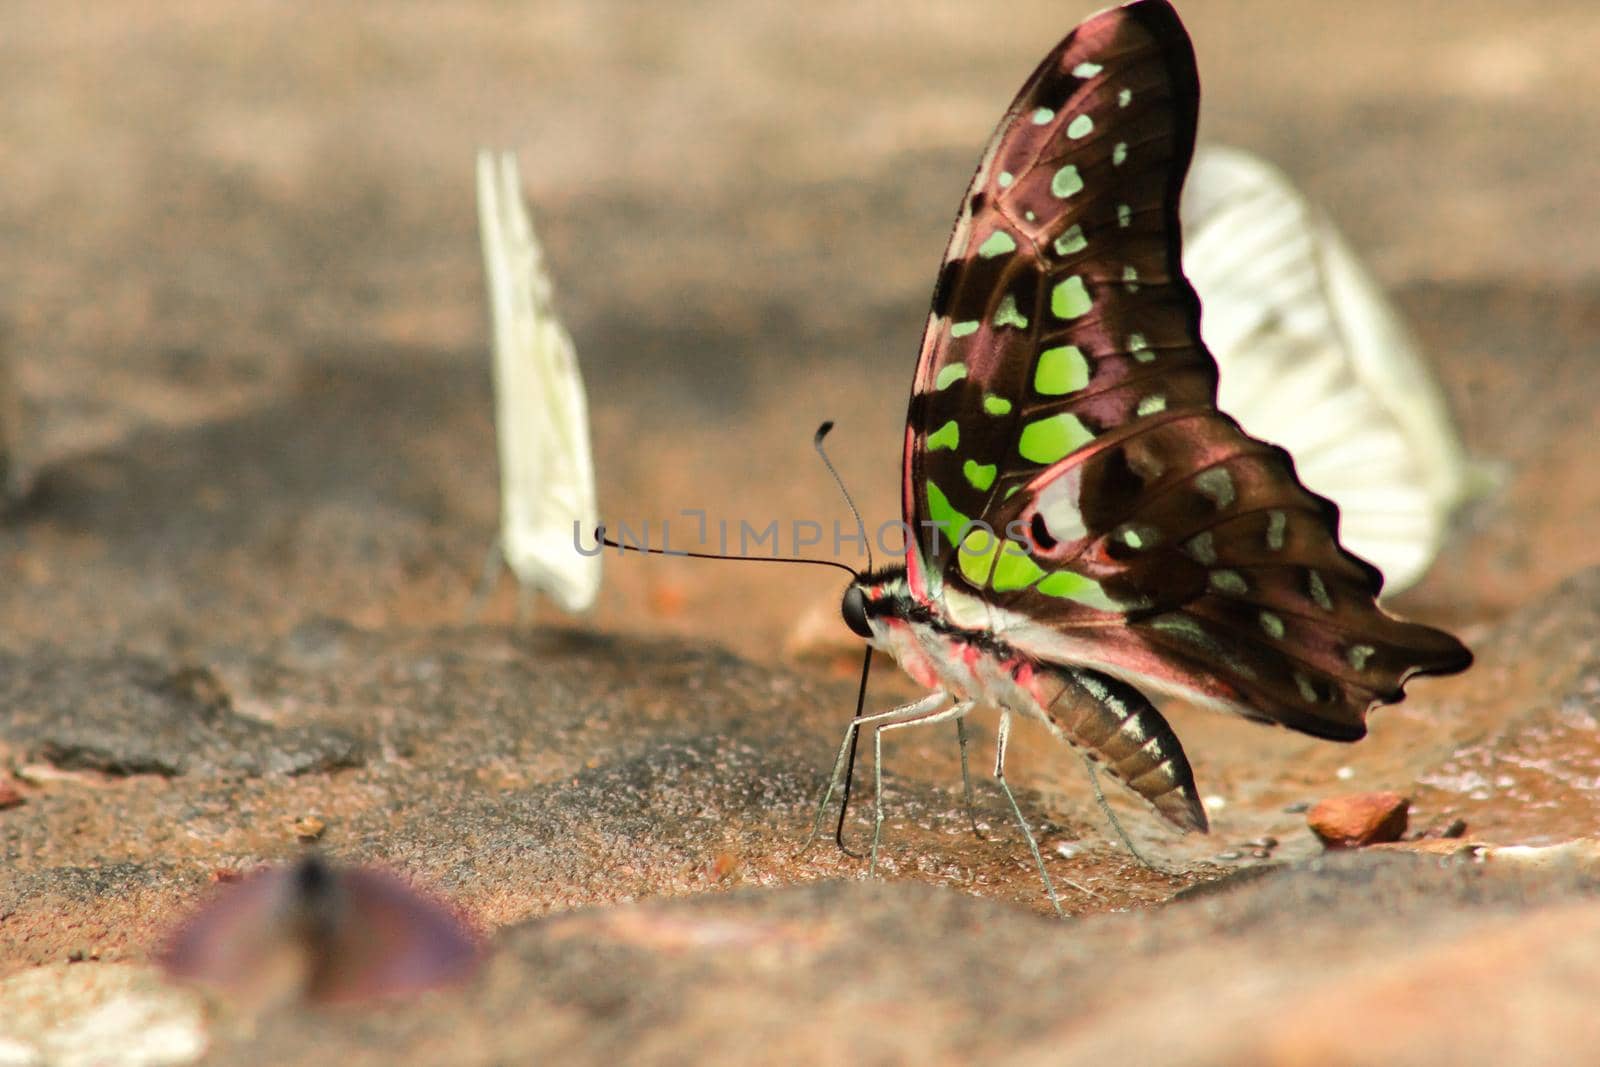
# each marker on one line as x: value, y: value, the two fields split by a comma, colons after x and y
x: 854, y: 610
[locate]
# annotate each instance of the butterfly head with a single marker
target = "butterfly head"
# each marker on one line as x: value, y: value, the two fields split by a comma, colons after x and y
x: 875, y: 597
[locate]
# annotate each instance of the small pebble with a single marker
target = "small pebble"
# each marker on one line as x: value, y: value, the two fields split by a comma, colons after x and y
x: 1457, y: 828
x: 1214, y: 802
x: 1265, y: 841
x: 1229, y: 855
x: 1260, y: 854
x: 10, y: 795
x: 1299, y: 807
x: 1359, y: 819
x: 1344, y: 774
x: 723, y: 866
x: 309, y: 828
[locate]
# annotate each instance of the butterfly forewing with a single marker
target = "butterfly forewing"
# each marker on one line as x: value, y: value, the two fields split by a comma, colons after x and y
x: 1072, y: 484
x: 1060, y: 313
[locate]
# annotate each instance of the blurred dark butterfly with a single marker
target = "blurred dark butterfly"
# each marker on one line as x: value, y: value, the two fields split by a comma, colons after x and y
x: 321, y: 933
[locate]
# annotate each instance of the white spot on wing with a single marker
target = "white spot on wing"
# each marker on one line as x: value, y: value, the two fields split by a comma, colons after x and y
x: 1058, y: 506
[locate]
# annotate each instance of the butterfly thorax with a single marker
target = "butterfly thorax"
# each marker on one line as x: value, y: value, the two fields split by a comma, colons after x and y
x: 1108, y: 720
x: 930, y: 648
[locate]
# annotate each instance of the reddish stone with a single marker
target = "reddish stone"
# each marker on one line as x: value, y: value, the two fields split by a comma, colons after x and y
x: 10, y: 795
x: 1359, y: 819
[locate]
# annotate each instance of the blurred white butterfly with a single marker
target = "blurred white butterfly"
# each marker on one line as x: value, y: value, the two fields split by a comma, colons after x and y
x: 546, y: 466
x: 1313, y: 358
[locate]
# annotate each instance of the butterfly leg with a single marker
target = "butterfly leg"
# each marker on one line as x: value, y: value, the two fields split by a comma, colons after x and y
x: 1001, y: 737
x: 914, y: 710
x: 1105, y: 809
x: 966, y: 777
x: 954, y: 711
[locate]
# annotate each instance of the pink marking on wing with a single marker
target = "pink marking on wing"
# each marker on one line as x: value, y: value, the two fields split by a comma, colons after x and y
x: 908, y: 510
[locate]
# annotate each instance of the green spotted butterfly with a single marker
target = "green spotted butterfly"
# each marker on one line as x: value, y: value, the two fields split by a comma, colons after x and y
x: 1088, y: 527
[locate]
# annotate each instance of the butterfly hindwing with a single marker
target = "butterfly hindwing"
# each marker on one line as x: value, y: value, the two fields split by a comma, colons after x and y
x: 1073, y: 486
x: 1203, y: 568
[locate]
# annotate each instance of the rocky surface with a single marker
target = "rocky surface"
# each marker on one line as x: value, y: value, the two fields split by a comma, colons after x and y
x: 244, y: 308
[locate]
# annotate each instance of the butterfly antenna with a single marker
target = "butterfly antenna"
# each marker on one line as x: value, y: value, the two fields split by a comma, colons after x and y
x: 861, y: 527
x: 601, y: 538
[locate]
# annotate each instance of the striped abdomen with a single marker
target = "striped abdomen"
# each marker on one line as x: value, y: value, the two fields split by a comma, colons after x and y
x: 1116, y: 726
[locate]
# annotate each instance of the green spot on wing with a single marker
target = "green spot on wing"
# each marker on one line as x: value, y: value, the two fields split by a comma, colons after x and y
x: 980, y: 475
x: 1069, y: 299
x: 1066, y: 182
x: 1008, y: 315
x: 1070, y: 586
x: 1216, y: 485
x: 1071, y: 242
x: 1086, y: 70
x: 1277, y: 525
x: 1138, y: 537
x: 1080, y: 127
x: 1042, y: 115
x: 1060, y: 371
x: 1015, y: 569
x: 997, y: 405
x: 946, y: 436
x: 976, y: 555
x: 1202, y: 548
x: 962, y: 329
x: 1050, y: 439
x: 950, y: 521
x: 1229, y: 582
x: 949, y: 374
x: 1319, y: 591
x: 1005, y: 179
x: 999, y: 243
